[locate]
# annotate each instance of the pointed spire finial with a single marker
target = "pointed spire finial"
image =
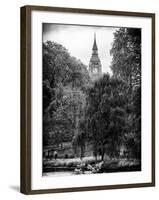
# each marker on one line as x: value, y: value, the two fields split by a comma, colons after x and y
x: 95, y: 45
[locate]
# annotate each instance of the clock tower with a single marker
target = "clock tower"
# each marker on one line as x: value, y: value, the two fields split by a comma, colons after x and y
x: 95, y: 68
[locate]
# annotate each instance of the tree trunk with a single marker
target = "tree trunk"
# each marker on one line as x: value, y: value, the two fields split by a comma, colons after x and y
x: 102, y: 154
x: 75, y: 149
x: 95, y: 152
x: 82, y: 148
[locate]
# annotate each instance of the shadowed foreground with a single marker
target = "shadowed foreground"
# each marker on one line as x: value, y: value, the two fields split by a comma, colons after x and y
x: 89, y: 165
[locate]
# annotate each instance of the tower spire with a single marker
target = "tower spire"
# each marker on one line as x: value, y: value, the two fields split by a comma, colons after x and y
x: 94, y: 36
x: 95, y: 44
x: 95, y: 68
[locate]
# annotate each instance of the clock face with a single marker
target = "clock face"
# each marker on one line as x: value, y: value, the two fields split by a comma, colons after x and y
x: 95, y: 70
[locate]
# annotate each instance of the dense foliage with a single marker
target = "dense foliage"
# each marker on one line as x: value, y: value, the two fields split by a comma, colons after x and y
x: 126, y: 66
x: 126, y: 52
x: 106, y: 115
x: 65, y: 80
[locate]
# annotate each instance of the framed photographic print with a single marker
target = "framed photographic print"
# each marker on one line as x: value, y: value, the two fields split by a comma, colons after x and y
x: 87, y: 99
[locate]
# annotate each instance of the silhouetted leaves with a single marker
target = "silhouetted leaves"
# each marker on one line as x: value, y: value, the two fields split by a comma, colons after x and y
x: 65, y: 81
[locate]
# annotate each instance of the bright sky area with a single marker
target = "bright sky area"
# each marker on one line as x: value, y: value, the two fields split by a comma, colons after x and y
x: 79, y: 41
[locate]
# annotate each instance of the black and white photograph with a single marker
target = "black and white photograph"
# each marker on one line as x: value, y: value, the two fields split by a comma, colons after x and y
x: 91, y: 99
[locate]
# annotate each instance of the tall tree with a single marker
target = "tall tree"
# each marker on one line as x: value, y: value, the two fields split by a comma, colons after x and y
x: 106, y: 113
x: 65, y: 81
x: 126, y: 52
x: 126, y: 65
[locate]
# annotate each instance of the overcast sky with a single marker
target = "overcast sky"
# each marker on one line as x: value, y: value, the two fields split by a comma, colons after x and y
x: 79, y: 41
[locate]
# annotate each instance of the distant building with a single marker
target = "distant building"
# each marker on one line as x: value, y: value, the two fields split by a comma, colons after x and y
x: 95, y: 67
